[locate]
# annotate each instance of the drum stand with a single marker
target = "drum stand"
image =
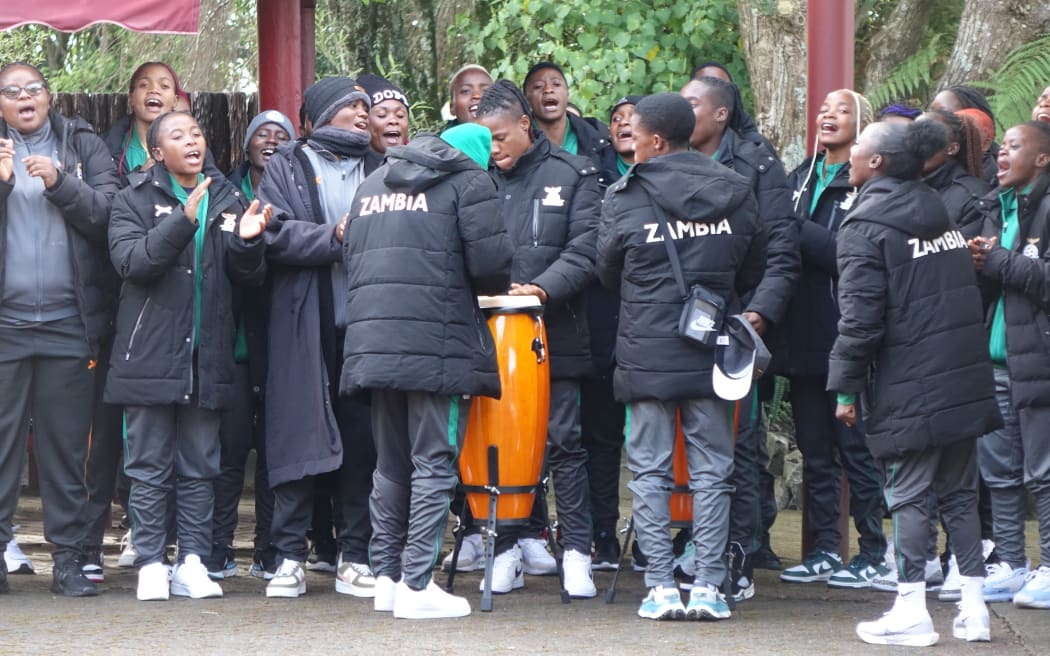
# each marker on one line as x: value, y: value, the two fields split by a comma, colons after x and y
x: 727, y: 583
x: 490, y: 529
x: 458, y: 534
x: 541, y: 492
x: 610, y: 594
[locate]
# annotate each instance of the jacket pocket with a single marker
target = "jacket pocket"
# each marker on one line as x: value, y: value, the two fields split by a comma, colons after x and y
x: 136, y: 328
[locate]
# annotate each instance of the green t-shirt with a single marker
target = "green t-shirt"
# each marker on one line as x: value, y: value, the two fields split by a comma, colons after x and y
x: 246, y: 187
x: 622, y: 167
x: 198, y: 249
x: 1007, y: 239
x: 825, y: 174
x: 134, y: 154
x: 570, y: 142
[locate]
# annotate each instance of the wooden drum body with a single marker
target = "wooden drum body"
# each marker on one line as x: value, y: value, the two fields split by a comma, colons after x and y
x: 506, y: 438
x: 681, y: 497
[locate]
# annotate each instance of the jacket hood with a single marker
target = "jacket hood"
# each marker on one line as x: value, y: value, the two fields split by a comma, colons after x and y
x: 422, y: 163
x: 907, y: 205
x: 712, y: 190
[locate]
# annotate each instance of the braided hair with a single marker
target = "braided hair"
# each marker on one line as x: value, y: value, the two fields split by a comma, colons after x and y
x: 906, y: 147
x: 971, y: 98
x: 963, y: 131
x: 503, y: 96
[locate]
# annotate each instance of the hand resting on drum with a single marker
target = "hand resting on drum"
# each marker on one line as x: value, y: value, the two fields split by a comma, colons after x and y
x: 527, y: 289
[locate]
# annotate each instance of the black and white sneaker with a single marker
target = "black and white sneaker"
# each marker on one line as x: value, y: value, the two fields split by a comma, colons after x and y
x: 606, y: 557
x: 91, y: 566
x: 741, y: 573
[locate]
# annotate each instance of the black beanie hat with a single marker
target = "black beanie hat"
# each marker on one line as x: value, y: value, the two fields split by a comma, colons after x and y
x: 626, y: 100
x: 380, y: 89
x: 327, y: 96
x: 539, y: 67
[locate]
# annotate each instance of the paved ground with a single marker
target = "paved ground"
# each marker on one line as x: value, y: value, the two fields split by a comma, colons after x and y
x: 781, y: 619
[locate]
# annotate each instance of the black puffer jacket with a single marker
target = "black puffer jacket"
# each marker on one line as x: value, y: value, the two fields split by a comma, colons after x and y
x: 152, y: 246
x: 911, y: 336
x: 86, y: 184
x: 766, y: 174
x: 720, y: 243
x: 1022, y: 277
x: 962, y: 195
x: 424, y: 239
x: 593, y: 142
x: 550, y: 208
x: 808, y: 329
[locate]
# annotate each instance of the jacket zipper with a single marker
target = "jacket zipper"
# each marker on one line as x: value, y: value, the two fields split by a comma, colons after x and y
x: 535, y: 222
x: 135, y: 330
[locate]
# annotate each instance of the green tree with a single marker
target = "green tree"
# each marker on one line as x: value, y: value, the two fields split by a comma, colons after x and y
x: 607, y: 50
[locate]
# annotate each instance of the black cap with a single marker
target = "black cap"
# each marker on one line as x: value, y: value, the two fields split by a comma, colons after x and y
x: 626, y: 100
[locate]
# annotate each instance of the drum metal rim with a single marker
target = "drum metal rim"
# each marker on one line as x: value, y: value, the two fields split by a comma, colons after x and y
x: 511, y: 304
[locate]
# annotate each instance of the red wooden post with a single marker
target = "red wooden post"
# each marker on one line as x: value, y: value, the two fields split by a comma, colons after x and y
x: 309, y: 47
x: 829, y: 57
x: 280, y: 56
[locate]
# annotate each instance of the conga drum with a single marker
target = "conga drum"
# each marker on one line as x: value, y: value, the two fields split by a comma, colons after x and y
x: 506, y: 438
x: 681, y: 497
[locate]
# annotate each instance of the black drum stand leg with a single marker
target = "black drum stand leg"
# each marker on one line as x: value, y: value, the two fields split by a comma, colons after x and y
x: 610, y: 594
x: 458, y: 533
x: 490, y: 539
x: 551, y: 542
x: 727, y: 584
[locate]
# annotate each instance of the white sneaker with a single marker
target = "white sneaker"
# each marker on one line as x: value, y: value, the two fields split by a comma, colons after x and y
x: 972, y: 624
x: 471, y: 555
x: 154, y: 583
x: 662, y: 604
x: 127, y: 551
x: 190, y: 579
x: 385, y: 589
x: 686, y: 563
x: 887, y: 582
x: 900, y: 626
x: 934, y: 575
x: 289, y: 581
x: 429, y: 603
x: 17, y: 562
x: 579, y: 582
x: 535, y: 558
x: 355, y: 579
x: 507, y: 572
x: 1003, y: 581
x: 951, y: 589
x: 1036, y: 590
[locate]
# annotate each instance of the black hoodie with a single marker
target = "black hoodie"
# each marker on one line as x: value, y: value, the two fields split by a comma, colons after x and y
x: 425, y: 238
x: 911, y: 332
x: 721, y: 245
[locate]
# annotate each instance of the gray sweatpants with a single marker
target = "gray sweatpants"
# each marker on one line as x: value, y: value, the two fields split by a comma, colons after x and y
x: 650, y: 429
x: 1000, y: 456
x: 417, y: 437
x: 951, y: 473
x: 1035, y: 439
x: 171, y: 448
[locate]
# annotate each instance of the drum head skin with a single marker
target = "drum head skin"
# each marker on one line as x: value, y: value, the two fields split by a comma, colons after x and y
x: 509, y: 303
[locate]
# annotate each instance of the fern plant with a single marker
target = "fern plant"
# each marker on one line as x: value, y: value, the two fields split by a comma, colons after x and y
x: 912, y: 78
x: 1014, y: 88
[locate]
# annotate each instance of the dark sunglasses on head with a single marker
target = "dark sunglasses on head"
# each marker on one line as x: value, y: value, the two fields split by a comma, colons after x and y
x: 13, y: 91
